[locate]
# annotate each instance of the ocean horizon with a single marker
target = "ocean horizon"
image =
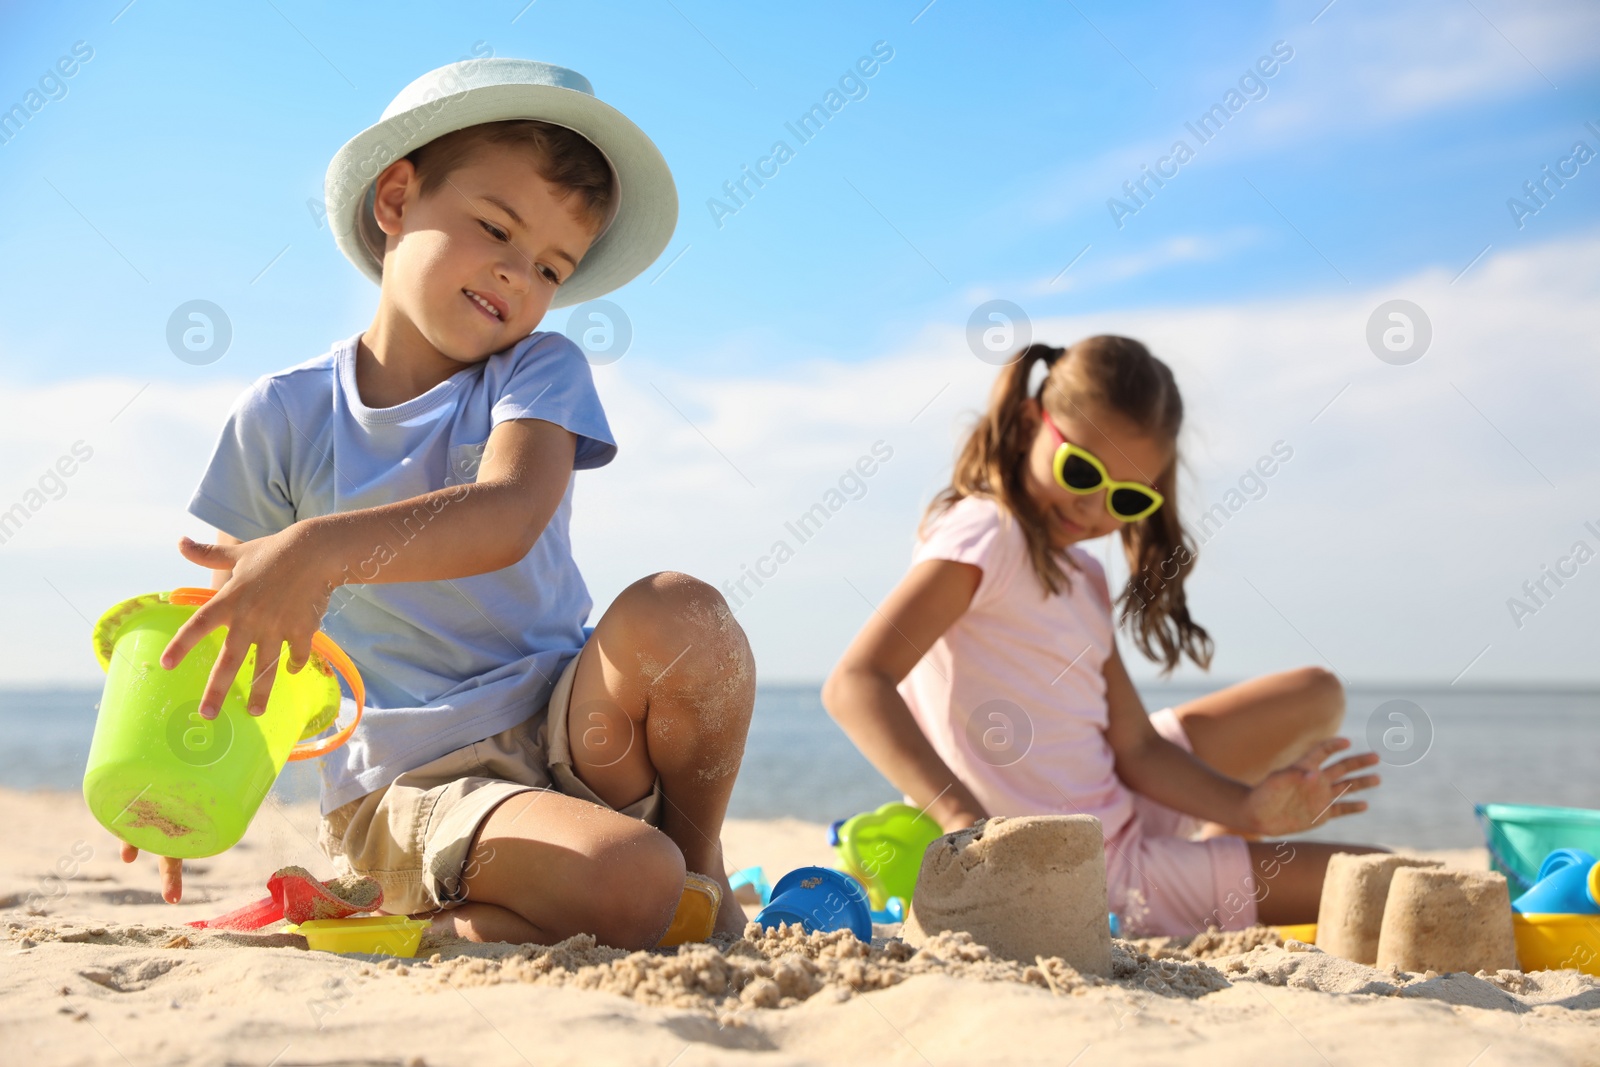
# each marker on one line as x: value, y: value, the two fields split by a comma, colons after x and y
x: 1444, y: 749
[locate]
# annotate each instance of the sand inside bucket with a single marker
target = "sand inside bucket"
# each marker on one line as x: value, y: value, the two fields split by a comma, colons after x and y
x: 360, y: 892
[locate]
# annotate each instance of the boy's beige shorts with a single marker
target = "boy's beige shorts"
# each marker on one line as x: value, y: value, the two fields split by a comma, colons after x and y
x: 415, y: 835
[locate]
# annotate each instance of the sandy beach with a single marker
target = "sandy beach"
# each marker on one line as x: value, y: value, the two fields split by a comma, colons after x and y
x: 99, y: 970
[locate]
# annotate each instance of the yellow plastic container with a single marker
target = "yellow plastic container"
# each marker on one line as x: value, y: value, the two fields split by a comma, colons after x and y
x: 165, y: 780
x: 389, y: 935
x: 1558, y: 942
x: 1306, y: 932
x: 696, y: 916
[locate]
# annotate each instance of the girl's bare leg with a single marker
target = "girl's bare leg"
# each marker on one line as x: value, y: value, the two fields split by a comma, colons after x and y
x: 1249, y: 730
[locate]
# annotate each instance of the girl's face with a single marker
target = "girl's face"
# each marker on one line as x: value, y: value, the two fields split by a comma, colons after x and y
x: 1128, y: 454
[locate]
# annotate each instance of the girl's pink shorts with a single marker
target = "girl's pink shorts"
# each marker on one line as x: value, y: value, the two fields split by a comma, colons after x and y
x: 1161, y: 882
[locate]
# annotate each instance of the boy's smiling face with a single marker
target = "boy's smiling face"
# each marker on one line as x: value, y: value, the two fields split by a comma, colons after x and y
x: 494, y: 231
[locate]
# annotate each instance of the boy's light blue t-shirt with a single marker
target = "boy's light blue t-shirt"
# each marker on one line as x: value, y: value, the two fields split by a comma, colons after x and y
x: 447, y: 662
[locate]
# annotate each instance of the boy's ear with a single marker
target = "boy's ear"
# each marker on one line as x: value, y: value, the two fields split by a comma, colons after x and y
x: 397, y: 182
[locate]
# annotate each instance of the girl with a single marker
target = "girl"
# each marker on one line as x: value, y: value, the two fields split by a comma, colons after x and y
x: 989, y: 683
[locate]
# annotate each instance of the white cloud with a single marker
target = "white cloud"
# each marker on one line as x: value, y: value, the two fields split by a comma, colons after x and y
x: 1158, y: 256
x: 1389, y: 542
x: 1404, y: 60
x: 1357, y: 70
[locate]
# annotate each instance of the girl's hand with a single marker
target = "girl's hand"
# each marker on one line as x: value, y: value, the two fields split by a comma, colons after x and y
x: 1306, y: 794
x: 278, y: 592
x: 171, y: 873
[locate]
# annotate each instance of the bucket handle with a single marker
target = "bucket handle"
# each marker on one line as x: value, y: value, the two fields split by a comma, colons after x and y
x: 322, y: 644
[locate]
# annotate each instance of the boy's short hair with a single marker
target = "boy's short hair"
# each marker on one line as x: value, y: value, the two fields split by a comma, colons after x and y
x: 566, y: 159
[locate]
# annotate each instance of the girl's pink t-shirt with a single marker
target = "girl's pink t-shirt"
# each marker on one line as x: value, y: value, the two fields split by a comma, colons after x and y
x: 1013, y: 695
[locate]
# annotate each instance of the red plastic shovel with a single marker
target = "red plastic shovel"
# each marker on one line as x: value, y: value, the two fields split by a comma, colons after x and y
x: 298, y: 897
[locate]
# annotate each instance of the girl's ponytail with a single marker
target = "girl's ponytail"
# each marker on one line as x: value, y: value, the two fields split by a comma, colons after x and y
x: 989, y: 463
x: 1111, y: 373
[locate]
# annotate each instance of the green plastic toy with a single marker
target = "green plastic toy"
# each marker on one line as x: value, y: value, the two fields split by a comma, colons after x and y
x: 164, y: 779
x: 883, y: 849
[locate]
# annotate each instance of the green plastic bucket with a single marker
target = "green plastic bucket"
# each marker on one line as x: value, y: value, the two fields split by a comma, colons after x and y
x: 1520, y: 836
x: 166, y: 780
x: 883, y: 849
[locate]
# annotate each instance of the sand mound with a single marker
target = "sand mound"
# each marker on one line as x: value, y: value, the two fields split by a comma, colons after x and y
x: 87, y: 979
x: 784, y: 967
x: 764, y: 968
x: 1212, y: 944
x: 1027, y: 887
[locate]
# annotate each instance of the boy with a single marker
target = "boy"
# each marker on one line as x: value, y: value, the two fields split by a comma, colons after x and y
x: 517, y: 776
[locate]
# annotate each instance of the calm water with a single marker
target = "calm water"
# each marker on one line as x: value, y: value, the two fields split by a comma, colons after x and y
x: 1534, y: 747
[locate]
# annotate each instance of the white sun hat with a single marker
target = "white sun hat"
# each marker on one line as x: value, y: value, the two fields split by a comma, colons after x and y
x: 644, y: 208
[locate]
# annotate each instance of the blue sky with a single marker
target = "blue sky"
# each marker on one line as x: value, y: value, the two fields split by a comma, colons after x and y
x: 186, y: 150
x: 186, y: 160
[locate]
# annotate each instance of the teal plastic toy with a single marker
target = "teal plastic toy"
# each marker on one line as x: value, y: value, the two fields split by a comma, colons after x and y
x: 1520, y: 836
x: 755, y: 878
x: 892, y: 912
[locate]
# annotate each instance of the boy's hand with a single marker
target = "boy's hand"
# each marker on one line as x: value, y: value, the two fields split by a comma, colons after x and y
x: 1306, y: 794
x: 278, y: 592
x: 171, y: 873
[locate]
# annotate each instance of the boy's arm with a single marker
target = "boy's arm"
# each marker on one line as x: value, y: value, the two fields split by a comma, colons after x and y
x: 280, y: 584
x: 460, y: 530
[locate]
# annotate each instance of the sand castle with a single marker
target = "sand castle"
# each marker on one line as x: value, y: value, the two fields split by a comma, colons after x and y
x: 1437, y: 920
x: 1026, y: 887
x: 1354, y: 892
x: 1388, y: 910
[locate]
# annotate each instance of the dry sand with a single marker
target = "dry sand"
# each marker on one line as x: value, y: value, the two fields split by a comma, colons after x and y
x: 99, y: 970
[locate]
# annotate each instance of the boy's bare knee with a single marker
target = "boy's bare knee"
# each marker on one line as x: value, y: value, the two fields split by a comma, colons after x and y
x: 636, y: 890
x: 690, y: 633
x: 671, y: 606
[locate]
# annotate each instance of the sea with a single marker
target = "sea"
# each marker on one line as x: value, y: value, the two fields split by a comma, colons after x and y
x: 1444, y: 751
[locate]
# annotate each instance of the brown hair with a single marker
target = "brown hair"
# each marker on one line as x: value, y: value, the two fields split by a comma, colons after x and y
x: 566, y: 159
x: 1103, y: 373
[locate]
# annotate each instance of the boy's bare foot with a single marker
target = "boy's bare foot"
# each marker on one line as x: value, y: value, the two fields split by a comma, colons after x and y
x: 731, y: 918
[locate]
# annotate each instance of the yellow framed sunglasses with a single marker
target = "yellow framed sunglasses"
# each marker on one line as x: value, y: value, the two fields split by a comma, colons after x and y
x: 1080, y: 471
